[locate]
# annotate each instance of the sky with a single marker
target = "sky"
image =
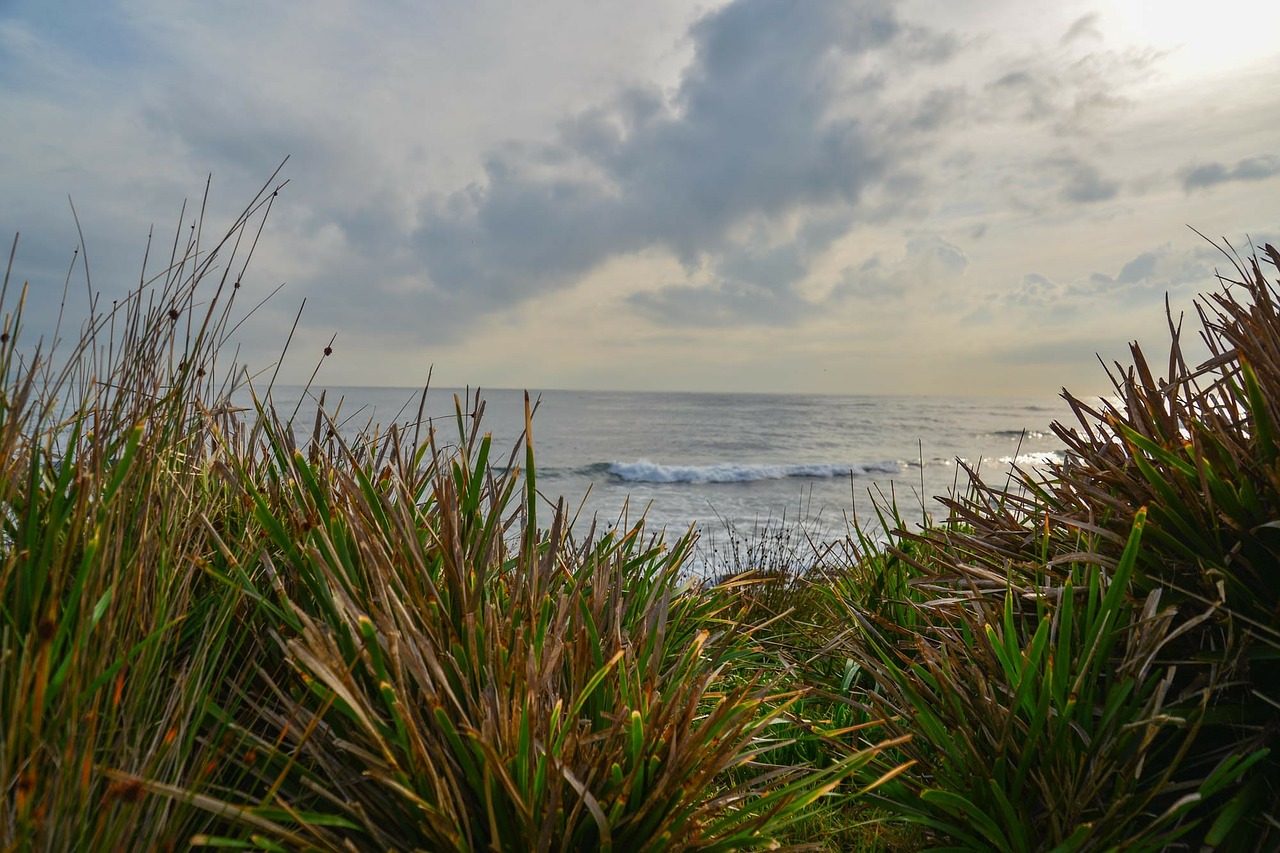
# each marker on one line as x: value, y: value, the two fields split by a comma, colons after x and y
x: 828, y: 196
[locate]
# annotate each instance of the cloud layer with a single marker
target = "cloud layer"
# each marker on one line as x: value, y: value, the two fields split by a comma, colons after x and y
x: 591, y: 183
x: 777, y: 124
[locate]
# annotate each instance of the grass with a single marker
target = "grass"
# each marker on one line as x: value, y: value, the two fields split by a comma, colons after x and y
x: 219, y: 631
x: 218, y: 628
x: 1089, y: 659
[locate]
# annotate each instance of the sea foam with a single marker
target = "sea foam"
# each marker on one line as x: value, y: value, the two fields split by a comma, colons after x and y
x: 1044, y: 457
x: 645, y: 471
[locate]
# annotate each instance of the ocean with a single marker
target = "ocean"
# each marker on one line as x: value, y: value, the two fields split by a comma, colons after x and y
x: 735, y: 466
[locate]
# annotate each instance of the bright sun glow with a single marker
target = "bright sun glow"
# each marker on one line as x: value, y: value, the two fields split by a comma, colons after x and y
x: 1205, y: 37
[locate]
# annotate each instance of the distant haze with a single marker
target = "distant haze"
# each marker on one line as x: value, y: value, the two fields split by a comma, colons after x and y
x: 837, y: 196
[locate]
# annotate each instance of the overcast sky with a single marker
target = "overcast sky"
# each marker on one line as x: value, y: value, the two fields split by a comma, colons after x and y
x: 847, y: 196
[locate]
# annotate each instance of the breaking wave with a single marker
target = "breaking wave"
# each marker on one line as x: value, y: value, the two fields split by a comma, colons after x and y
x: 645, y: 471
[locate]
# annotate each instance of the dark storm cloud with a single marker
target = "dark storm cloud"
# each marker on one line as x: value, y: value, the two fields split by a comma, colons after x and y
x: 775, y: 117
x: 1212, y: 174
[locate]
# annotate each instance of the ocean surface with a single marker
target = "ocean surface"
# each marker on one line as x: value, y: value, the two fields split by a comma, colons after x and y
x: 734, y: 465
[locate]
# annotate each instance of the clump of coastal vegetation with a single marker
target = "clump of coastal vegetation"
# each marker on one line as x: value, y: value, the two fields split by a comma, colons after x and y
x: 1090, y: 659
x: 227, y: 628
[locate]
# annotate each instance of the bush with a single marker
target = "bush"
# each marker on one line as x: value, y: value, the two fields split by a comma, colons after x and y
x: 1096, y: 661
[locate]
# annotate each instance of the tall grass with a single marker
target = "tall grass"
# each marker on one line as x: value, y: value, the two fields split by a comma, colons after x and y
x: 215, y: 631
x: 1088, y: 659
x: 456, y: 677
x: 113, y: 640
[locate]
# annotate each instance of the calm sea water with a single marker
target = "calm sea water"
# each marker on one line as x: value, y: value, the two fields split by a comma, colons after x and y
x: 744, y: 461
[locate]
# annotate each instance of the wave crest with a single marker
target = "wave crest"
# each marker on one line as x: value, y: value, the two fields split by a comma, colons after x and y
x: 1043, y: 457
x: 645, y: 471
